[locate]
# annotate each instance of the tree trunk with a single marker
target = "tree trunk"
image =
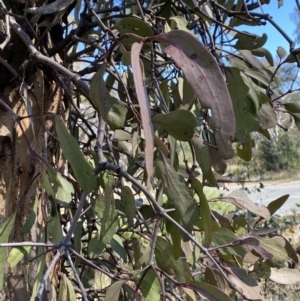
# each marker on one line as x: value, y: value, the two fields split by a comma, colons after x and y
x: 22, y: 145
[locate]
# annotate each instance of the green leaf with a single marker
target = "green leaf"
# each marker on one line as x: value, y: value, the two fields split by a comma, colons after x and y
x: 244, y: 150
x: 113, y: 292
x: 82, y: 169
x: 71, y: 291
x: 150, y: 286
x: 263, y: 52
x: 167, y: 262
x: 245, y: 121
x: 247, y: 42
x: 54, y: 228
x: 127, y: 204
x: 5, y: 231
x: 178, y: 22
x: 133, y: 25
x: 208, y: 291
x: 180, y: 124
x: 204, y: 76
x: 266, y: 114
x: 63, y: 189
x: 276, y: 204
x: 281, y: 52
x: 16, y: 255
x: 178, y: 194
x: 292, y: 107
x: 112, y: 110
x: 275, y: 246
x: 205, y: 211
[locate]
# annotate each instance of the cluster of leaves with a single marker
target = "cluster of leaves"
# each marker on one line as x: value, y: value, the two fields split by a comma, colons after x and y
x: 129, y: 209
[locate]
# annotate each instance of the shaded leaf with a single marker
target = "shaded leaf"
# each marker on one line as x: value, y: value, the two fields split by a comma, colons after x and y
x: 263, y: 52
x: 180, y: 124
x: 285, y: 276
x: 205, y: 211
x: 5, y: 231
x: 245, y: 121
x: 82, y: 169
x: 167, y: 262
x: 244, y: 150
x: 144, y: 108
x: 204, y: 76
x: 150, y: 286
x: 292, y: 107
x: 71, y: 291
x: 128, y: 204
x: 266, y: 114
x: 112, y: 110
x: 202, y: 154
x: 133, y: 25
x: 178, y: 194
x: 249, y: 42
x: 208, y: 291
x: 277, y: 204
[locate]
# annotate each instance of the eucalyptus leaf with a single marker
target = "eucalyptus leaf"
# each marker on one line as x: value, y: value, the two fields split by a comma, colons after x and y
x: 82, y: 169
x: 180, y: 124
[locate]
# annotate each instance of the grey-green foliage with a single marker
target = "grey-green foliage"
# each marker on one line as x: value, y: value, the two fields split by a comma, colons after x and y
x: 278, y: 154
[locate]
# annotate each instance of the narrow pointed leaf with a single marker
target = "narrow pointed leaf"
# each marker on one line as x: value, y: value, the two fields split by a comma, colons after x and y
x: 277, y: 204
x: 5, y: 231
x: 144, y: 108
x: 127, y: 204
x: 16, y: 255
x: 113, y: 292
x: 178, y: 194
x: 204, y: 76
x: 208, y: 291
x: 112, y: 110
x: 205, y: 212
x: 82, y: 169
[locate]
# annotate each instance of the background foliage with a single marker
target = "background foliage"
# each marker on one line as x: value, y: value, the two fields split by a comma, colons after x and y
x: 115, y: 116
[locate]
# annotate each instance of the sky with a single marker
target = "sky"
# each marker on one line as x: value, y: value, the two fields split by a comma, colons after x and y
x: 282, y: 17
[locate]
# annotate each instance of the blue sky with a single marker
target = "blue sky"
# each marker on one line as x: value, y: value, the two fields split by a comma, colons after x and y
x: 282, y: 17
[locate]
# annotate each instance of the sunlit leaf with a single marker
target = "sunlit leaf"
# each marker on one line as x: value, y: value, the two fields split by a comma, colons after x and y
x: 16, y: 255
x: 111, y: 109
x: 275, y: 246
x: 241, y: 200
x: 203, y: 74
x: 113, y: 292
x: 245, y: 285
x: 82, y: 169
x: 180, y: 124
x: 281, y: 52
x: 285, y: 276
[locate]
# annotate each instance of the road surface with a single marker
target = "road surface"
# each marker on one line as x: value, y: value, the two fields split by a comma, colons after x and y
x: 271, y: 192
